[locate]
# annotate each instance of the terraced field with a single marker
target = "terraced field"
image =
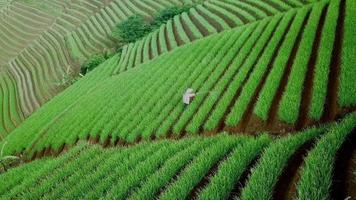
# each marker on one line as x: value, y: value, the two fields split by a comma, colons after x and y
x: 42, y: 41
x: 203, y: 20
x: 274, y: 116
x: 219, y: 167
x: 280, y: 81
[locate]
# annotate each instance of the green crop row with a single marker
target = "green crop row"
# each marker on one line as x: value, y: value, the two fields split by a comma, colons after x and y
x: 207, y: 19
x: 230, y: 171
x: 290, y: 103
x: 195, y: 171
x: 90, y: 173
x: 246, y: 95
x: 246, y: 42
x: 269, y: 90
x: 317, y: 171
x: 162, y: 176
x: 198, y: 167
x: 322, y: 66
x: 266, y: 173
x: 347, y: 89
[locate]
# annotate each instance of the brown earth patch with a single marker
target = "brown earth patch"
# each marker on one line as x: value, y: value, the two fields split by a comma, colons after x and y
x: 344, y: 173
x: 286, y: 185
x: 187, y: 30
x: 331, y: 104
x: 308, y: 82
x: 199, y: 25
x: 194, y: 193
x: 211, y: 21
x: 240, y: 184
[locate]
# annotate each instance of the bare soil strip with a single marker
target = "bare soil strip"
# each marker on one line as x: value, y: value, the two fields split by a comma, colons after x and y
x: 214, y: 23
x: 273, y: 113
x: 246, y: 119
x: 186, y: 29
x: 331, y: 105
x: 150, y: 53
x: 236, y: 191
x: 229, y: 21
x: 198, y: 24
x: 308, y: 82
x: 159, y: 50
x: 344, y: 177
x: 206, y: 179
x: 166, y: 38
x: 176, y: 35
x: 259, y: 7
x: 286, y: 185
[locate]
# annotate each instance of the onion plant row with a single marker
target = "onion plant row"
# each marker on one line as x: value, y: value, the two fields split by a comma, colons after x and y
x: 195, y: 167
x: 321, y: 160
x: 202, y: 20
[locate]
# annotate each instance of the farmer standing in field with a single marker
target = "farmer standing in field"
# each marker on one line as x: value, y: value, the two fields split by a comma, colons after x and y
x: 188, y: 96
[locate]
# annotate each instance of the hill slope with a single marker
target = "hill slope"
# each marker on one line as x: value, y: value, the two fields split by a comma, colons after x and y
x: 258, y: 77
x: 219, y: 167
x: 40, y: 39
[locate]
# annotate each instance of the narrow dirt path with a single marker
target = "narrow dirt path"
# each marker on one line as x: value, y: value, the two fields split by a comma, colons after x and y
x: 285, y: 188
x: 258, y: 7
x: 272, y: 120
x: 240, y: 184
x: 331, y: 105
x: 249, y: 121
x: 187, y: 30
x: 194, y: 193
x: 166, y: 38
x: 176, y: 35
x: 214, y: 23
x: 308, y: 82
x: 199, y: 25
x: 344, y: 177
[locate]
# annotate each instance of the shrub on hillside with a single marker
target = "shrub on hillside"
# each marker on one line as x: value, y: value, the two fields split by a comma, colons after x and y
x: 164, y: 15
x: 92, y: 63
x: 137, y: 27
x: 132, y: 29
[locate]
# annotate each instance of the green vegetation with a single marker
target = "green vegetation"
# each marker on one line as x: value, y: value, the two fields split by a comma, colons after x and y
x: 41, y: 40
x: 196, y: 167
x: 136, y: 27
x: 7, y: 161
x: 145, y: 102
x: 93, y: 62
x: 269, y: 168
x: 347, y: 94
x: 251, y: 85
x: 321, y: 160
x: 322, y: 66
x: 271, y: 85
x: 289, y: 106
x: 132, y: 29
x: 163, y: 16
x: 230, y: 171
x: 272, y: 112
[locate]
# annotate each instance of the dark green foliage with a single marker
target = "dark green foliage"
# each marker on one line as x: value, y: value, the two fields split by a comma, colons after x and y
x: 132, y: 29
x: 92, y: 63
x: 137, y: 27
x: 164, y: 15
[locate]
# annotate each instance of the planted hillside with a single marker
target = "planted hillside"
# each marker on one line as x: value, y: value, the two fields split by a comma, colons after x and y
x: 223, y: 167
x: 177, y: 99
x: 247, y: 79
x: 200, y: 21
x: 44, y: 43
